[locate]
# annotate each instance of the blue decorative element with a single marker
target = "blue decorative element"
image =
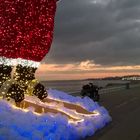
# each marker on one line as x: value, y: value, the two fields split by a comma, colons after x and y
x: 28, y: 126
x: 2, y: 138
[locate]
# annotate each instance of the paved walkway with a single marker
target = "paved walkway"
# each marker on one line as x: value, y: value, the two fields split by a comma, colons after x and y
x: 124, y: 107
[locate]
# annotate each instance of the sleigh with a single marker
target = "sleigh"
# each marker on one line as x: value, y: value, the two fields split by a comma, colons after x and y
x: 73, y: 112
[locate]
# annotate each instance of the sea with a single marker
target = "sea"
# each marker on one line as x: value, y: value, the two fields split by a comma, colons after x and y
x: 71, y: 86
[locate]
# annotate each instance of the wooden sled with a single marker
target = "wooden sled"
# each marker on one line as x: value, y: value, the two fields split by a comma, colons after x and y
x: 79, y: 109
x: 75, y: 113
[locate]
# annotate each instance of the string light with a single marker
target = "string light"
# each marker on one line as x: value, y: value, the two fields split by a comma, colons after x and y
x: 26, y: 28
x: 26, y: 35
x: 25, y: 38
x: 13, y: 62
x: 16, y: 88
x: 8, y: 61
x: 28, y: 63
x: 5, y: 73
x: 77, y: 107
x: 40, y: 108
x: 24, y: 76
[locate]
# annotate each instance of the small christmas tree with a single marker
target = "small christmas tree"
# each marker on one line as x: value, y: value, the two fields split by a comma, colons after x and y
x: 26, y: 35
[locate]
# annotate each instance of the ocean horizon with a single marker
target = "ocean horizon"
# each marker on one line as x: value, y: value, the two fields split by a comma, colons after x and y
x: 76, y: 85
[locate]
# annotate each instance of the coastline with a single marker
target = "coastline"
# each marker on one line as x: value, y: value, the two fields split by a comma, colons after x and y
x: 111, y: 89
x: 74, y: 86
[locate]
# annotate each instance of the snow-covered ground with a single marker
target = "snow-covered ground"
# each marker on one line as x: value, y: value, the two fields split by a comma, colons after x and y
x: 19, y: 125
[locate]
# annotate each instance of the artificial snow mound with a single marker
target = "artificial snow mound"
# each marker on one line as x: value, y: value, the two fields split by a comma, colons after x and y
x: 19, y: 125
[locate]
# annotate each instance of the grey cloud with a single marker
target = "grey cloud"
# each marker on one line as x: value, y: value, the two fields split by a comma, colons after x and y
x: 107, y: 33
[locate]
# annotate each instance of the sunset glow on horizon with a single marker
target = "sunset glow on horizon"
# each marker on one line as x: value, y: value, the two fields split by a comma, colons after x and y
x: 83, y: 70
x: 94, y: 39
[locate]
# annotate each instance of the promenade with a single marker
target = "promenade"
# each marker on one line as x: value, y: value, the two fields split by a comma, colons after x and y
x: 124, y: 107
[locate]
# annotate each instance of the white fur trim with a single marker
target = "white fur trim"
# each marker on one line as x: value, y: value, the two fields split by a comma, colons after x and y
x: 14, y: 62
x: 8, y: 61
x: 28, y: 63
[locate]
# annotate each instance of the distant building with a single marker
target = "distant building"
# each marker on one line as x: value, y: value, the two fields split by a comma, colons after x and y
x: 132, y: 78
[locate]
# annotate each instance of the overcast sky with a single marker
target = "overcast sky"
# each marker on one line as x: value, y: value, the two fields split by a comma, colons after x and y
x: 102, y: 33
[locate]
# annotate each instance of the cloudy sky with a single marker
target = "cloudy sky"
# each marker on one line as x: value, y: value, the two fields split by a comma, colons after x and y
x: 94, y: 38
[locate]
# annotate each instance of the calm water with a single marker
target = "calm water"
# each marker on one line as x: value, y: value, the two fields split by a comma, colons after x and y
x: 76, y: 85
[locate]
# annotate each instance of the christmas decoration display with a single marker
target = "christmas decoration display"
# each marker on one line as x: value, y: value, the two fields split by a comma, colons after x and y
x: 26, y: 33
x: 5, y: 73
x: 72, y: 118
x: 26, y: 28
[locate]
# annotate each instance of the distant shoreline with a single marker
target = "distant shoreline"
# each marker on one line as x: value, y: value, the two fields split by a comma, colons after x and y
x: 90, y: 79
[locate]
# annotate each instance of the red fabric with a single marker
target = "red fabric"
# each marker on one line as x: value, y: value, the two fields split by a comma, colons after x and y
x: 26, y: 28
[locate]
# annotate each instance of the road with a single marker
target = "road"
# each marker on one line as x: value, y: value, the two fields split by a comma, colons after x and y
x: 124, y: 107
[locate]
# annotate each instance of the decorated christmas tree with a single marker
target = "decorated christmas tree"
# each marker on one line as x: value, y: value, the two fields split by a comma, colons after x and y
x: 26, y: 36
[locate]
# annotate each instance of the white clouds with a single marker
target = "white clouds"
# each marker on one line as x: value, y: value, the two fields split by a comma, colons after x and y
x: 137, y: 20
x: 83, y: 70
x: 102, y: 2
x: 87, y: 65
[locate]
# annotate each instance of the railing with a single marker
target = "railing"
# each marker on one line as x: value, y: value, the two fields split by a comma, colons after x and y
x: 112, y: 89
x: 108, y: 90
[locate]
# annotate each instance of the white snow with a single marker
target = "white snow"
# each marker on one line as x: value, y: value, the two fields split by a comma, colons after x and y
x: 19, y: 125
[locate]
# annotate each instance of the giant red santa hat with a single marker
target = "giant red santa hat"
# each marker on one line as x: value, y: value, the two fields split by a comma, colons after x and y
x: 26, y: 31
